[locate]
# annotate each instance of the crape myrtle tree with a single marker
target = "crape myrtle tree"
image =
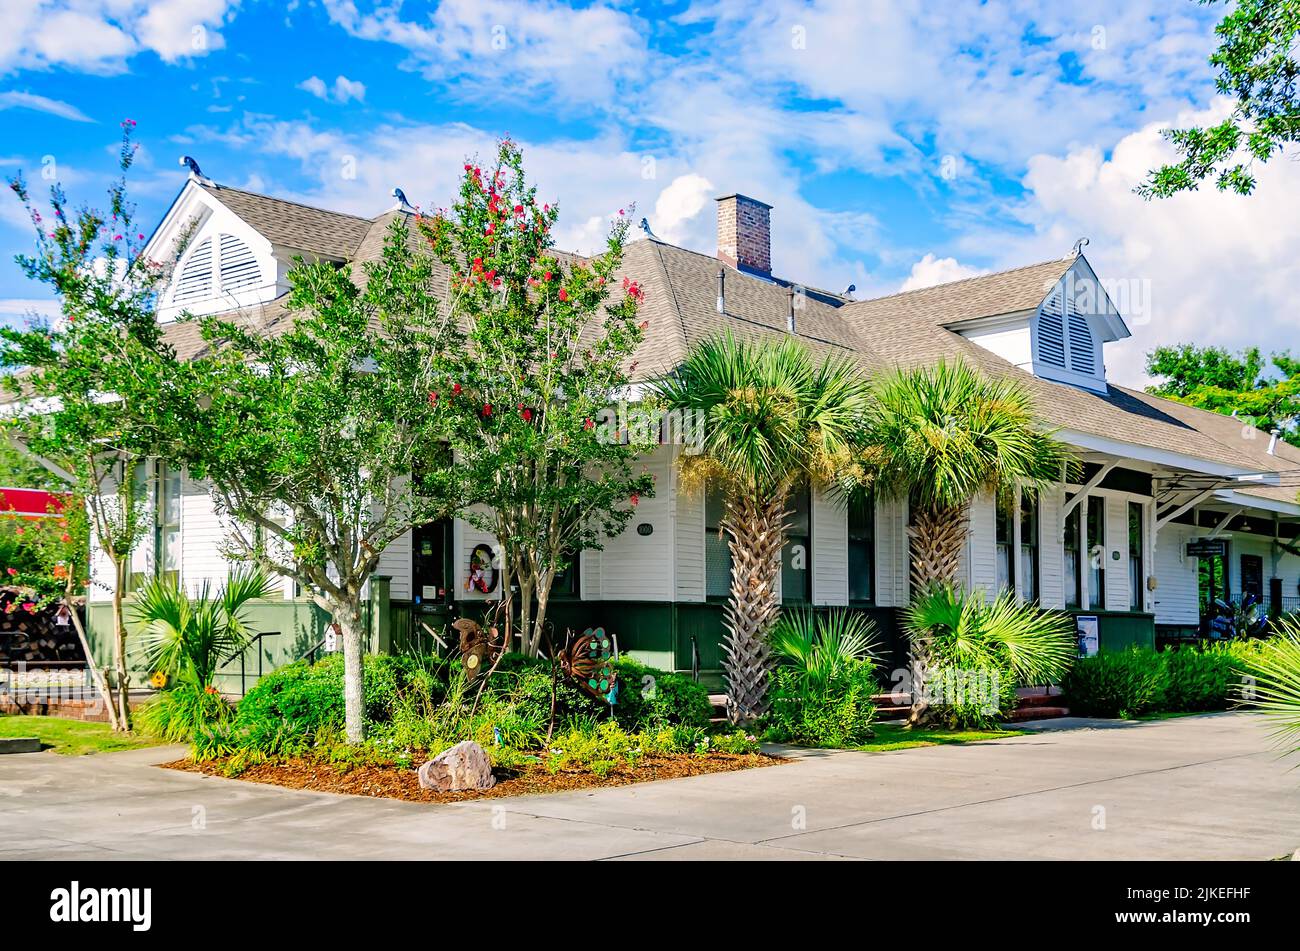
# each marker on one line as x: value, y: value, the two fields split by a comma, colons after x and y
x: 941, y: 435
x: 308, y: 433
x: 533, y: 352
x: 85, y: 385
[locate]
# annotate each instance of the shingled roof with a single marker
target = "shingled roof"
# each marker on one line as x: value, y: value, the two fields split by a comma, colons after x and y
x: 292, y: 225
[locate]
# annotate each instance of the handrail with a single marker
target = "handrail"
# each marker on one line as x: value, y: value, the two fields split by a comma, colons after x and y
x: 242, y: 672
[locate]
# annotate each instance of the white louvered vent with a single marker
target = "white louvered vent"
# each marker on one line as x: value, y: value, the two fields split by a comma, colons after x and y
x: 1082, y: 356
x: 1051, y: 332
x: 239, y: 267
x: 195, y: 279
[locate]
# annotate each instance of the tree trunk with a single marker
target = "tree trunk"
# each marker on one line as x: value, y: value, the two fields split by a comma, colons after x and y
x: 96, y: 672
x: 938, y: 537
x: 347, y: 614
x: 756, y: 533
x: 121, y: 674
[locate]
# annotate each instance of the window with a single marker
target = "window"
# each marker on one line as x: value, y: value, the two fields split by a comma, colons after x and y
x: 141, y: 562
x: 862, y: 550
x: 796, y: 556
x: 1072, y: 559
x: 1096, y: 540
x: 565, y: 583
x: 1029, y: 546
x: 169, y: 523
x: 1006, y: 580
x: 717, y: 556
x: 1252, y: 577
x: 1136, y: 570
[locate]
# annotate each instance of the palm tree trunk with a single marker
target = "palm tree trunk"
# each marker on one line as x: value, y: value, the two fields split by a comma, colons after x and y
x: 938, y: 537
x: 756, y: 533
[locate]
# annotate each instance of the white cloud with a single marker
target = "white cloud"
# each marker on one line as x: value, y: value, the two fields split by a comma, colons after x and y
x: 506, y: 47
x: 930, y: 271
x: 679, y: 204
x: 55, y: 107
x: 1204, y: 267
x: 16, y: 311
x: 343, y: 89
x: 99, y: 36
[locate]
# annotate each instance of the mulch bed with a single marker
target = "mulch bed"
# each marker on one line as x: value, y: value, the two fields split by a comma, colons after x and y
x: 392, y: 782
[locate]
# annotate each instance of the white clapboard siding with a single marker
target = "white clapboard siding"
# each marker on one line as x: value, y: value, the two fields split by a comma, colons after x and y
x: 830, y: 554
x: 637, y: 567
x: 465, y: 538
x: 1117, y: 584
x: 688, y: 539
x: 983, y: 545
x: 1177, y: 599
x: 589, y: 575
x: 203, y: 539
x: 1051, y: 550
x: 395, y: 562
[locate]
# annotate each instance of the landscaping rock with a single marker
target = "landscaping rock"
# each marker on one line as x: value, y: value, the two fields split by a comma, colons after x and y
x: 464, y: 766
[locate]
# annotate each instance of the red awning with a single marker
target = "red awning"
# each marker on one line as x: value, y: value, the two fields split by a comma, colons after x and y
x: 33, y: 503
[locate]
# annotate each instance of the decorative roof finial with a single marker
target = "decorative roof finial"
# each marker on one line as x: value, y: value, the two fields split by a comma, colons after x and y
x: 645, y: 226
x: 401, y: 199
x: 1079, y: 246
x: 193, y: 166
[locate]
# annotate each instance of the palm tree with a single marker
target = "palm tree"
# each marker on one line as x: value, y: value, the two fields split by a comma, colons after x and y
x: 1276, y: 687
x: 939, y: 436
x: 188, y: 639
x: 773, y: 418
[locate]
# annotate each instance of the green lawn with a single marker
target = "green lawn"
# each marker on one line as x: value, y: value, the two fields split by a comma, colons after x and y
x: 894, y: 736
x: 72, y: 737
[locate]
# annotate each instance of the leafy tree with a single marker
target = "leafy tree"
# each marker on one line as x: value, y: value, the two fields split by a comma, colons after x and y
x: 1256, y: 60
x: 1233, y: 384
x: 19, y: 471
x: 940, y: 436
x: 87, y: 406
x: 533, y: 351
x: 308, y: 437
x: 773, y: 418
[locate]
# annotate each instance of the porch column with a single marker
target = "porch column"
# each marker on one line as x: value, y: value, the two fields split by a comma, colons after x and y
x: 1017, y: 569
x: 1085, y: 554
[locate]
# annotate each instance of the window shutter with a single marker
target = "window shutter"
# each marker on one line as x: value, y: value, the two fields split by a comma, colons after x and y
x: 1082, y: 353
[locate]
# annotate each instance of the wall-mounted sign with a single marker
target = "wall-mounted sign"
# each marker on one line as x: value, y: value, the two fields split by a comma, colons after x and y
x: 1205, y: 548
x: 645, y: 528
x: 1089, y: 634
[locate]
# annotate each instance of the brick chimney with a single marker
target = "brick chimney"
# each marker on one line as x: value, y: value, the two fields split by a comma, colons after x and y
x: 745, y: 233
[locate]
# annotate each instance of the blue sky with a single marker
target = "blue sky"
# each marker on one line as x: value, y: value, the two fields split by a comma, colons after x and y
x: 900, y: 143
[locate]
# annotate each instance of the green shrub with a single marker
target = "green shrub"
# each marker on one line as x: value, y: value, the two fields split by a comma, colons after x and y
x: 836, y: 715
x: 972, y: 698
x: 650, y: 698
x: 178, y: 714
x: 1202, y: 678
x: 1116, y: 684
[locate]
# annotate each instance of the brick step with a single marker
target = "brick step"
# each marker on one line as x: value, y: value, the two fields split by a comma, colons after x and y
x: 1038, y: 713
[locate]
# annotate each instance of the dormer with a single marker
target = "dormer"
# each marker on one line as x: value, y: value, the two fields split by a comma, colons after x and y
x: 233, y: 249
x: 1063, y: 337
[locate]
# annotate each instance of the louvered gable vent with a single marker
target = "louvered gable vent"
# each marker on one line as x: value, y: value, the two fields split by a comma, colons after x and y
x: 1051, y: 331
x: 195, y: 279
x: 238, y: 265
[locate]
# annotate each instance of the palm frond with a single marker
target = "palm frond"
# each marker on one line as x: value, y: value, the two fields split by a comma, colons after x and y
x: 1276, y: 690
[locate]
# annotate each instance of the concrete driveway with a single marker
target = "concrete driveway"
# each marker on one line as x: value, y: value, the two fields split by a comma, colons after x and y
x: 1205, y: 787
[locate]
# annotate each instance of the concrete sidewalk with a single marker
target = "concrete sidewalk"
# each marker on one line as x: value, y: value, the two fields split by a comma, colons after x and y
x: 1206, y: 787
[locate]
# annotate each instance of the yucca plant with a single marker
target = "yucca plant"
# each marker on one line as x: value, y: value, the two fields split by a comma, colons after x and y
x: 187, y: 639
x: 773, y: 418
x: 1006, y: 641
x: 1276, y: 687
x: 940, y: 436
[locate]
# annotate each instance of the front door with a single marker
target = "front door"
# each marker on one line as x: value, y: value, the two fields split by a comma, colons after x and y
x: 431, y: 564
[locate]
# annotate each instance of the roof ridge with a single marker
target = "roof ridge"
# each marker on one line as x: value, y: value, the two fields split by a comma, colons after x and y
x: 963, y: 280
x: 290, y: 201
x: 773, y: 278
